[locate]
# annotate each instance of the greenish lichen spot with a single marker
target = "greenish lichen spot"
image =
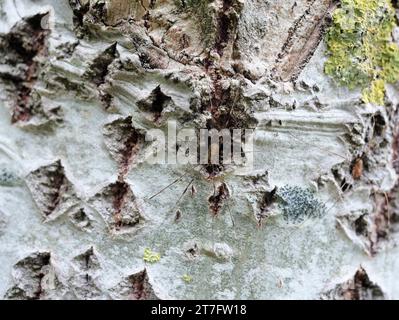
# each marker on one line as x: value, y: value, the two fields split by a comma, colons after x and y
x: 187, y: 278
x: 360, y: 48
x: 150, y: 256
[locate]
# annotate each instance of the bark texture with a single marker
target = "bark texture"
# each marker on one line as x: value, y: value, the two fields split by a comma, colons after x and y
x: 81, y: 212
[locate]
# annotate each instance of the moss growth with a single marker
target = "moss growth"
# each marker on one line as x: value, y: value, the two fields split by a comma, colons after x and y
x: 150, y: 256
x: 361, y: 52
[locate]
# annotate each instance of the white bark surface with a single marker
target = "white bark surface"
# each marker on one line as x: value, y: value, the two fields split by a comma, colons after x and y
x: 75, y: 213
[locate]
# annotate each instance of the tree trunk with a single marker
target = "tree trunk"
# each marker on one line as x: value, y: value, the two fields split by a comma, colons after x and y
x: 84, y: 215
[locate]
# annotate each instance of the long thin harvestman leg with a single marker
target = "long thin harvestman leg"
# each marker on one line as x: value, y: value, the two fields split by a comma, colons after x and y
x: 212, y: 223
x: 8, y: 152
x: 181, y: 196
x: 184, y: 192
x: 231, y: 215
x: 176, y: 204
x: 321, y: 149
x: 16, y: 9
x: 170, y: 185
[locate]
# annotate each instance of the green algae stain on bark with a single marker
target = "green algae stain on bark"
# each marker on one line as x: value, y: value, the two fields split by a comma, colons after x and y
x: 360, y: 48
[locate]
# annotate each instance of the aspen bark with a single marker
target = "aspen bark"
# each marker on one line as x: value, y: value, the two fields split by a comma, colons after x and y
x: 83, y: 215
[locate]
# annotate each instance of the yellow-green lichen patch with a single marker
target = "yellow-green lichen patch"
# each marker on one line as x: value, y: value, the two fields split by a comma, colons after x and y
x: 360, y: 47
x: 150, y: 256
x: 187, y: 278
x: 375, y: 93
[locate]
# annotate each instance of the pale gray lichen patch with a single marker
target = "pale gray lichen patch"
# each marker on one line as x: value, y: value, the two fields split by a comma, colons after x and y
x: 9, y: 177
x: 298, y: 204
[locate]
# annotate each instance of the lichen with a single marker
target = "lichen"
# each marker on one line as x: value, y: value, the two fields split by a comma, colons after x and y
x: 298, y: 204
x: 376, y: 92
x: 360, y: 47
x: 8, y: 178
x: 187, y: 278
x: 150, y: 256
